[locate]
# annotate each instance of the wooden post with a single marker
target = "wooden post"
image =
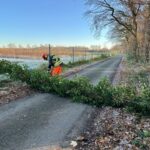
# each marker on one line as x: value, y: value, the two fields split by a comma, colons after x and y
x: 73, y: 54
x: 49, y: 50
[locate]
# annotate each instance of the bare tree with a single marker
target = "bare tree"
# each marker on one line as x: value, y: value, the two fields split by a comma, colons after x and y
x: 147, y: 33
x: 119, y: 15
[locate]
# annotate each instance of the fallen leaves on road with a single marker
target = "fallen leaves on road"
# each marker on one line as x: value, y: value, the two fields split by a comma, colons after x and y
x: 114, y: 129
x: 73, y: 143
x: 12, y: 91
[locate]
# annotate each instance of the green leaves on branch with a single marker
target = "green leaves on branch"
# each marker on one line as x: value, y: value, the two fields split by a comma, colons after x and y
x: 81, y: 90
x: 15, y: 71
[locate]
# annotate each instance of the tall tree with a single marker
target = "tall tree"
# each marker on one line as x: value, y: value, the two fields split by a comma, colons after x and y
x: 119, y: 15
x: 147, y: 32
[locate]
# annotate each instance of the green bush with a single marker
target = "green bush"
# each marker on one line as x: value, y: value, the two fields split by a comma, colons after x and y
x: 19, y: 72
x: 14, y: 70
x: 122, y: 95
x: 61, y: 86
x: 146, y: 94
x: 5, y: 66
x: 40, y: 81
x: 104, y: 91
x: 81, y: 90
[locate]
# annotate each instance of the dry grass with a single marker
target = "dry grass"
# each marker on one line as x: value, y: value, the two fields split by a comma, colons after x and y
x: 131, y: 70
x: 37, y: 52
x: 125, y: 71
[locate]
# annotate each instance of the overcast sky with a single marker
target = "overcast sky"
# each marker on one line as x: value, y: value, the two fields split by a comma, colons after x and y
x: 59, y: 22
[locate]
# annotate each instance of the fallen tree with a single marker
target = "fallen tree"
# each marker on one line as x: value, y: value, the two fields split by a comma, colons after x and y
x: 80, y: 89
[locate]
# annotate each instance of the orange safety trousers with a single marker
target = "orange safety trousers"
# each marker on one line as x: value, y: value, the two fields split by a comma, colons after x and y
x: 56, y: 71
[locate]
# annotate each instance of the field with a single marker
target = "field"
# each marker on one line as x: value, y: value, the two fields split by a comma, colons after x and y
x: 32, y: 57
x: 37, y: 52
x: 34, y: 63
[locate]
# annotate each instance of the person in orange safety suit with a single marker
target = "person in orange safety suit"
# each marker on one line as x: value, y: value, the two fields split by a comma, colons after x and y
x: 55, y: 64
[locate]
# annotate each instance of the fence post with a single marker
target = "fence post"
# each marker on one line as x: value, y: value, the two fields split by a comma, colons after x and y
x: 92, y: 54
x: 49, y: 49
x: 73, y: 54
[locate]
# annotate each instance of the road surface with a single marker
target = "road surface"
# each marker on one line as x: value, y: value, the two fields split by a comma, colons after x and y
x: 42, y: 120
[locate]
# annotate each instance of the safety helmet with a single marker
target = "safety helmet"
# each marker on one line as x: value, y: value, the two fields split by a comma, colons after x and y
x: 45, y: 56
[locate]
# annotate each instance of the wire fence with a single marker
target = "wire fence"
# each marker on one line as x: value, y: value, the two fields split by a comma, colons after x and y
x: 72, y: 53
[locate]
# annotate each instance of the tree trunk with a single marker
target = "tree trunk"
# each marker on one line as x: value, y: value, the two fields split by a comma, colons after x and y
x: 147, y: 53
x: 135, y: 48
x: 147, y: 36
x: 135, y: 30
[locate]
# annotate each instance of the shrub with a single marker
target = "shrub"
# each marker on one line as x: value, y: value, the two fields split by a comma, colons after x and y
x: 104, y: 91
x: 82, y: 91
x: 61, y: 86
x: 122, y: 95
x: 14, y: 70
x: 5, y: 66
x: 39, y: 80
x: 19, y: 72
x: 146, y: 94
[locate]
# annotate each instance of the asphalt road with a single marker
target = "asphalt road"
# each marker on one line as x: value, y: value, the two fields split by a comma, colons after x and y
x: 42, y: 120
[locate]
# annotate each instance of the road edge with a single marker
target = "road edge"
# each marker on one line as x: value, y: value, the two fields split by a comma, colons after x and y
x: 84, y: 67
x: 116, y: 75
